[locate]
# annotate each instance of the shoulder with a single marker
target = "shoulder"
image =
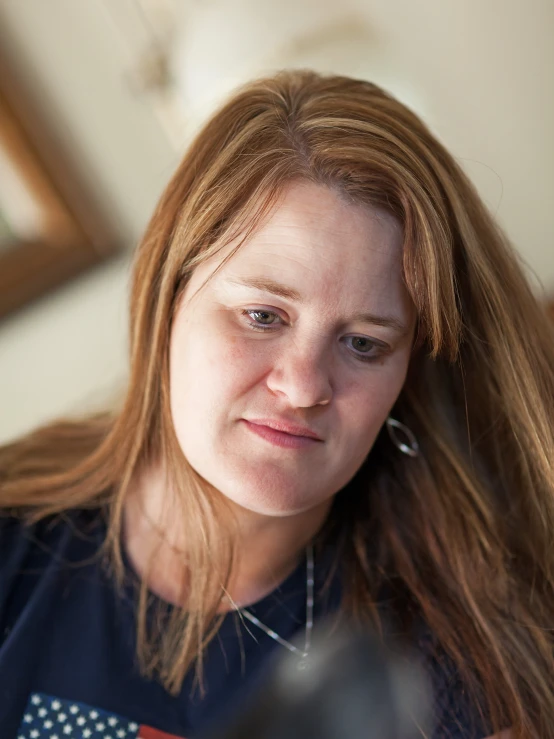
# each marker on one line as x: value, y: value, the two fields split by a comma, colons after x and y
x: 17, y: 534
x: 30, y: 548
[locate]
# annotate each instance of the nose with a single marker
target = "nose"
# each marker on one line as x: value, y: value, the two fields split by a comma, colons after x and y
x: 302, y: 376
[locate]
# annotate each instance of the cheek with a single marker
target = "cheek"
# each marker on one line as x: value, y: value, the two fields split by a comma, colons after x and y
x: 208, y: 369
x: 370, y: 401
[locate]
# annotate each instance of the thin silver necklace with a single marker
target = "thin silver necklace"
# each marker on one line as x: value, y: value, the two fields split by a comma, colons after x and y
x: 304, y: 654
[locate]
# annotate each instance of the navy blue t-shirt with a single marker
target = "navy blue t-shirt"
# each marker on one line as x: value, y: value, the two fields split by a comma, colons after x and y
x: 68, y: 665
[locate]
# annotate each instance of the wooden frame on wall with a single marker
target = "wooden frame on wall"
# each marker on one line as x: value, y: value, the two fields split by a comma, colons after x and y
x: 51, y: 229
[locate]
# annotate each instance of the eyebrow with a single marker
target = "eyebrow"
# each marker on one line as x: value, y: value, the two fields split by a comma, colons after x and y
x: 275, y: 288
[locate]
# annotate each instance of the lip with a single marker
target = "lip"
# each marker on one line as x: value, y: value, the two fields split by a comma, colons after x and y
x: 286, y: 427
x: 281, y: 438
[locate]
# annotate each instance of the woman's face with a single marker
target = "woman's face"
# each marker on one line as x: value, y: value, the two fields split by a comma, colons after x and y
x: 308, y: 324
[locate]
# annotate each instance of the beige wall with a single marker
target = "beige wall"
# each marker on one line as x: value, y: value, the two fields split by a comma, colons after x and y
x: 68, y: 351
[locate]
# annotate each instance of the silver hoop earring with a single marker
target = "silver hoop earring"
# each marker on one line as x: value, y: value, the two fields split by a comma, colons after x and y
x: 412, y: 450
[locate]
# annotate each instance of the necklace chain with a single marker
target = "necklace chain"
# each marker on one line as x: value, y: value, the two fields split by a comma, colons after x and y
x: 256, y: 621
x: 309, y: 614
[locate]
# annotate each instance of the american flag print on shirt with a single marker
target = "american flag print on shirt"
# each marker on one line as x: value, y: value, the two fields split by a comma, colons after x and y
x: 47, y: 717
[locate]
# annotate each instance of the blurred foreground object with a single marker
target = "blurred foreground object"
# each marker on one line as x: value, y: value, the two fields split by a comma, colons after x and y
x: 352, y: 688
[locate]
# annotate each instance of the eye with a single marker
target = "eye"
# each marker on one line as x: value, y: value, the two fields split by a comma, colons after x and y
x: 365, y: 349
x: 263, y: 319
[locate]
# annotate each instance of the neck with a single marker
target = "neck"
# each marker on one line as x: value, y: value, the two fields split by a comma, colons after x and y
x: 271, y: 547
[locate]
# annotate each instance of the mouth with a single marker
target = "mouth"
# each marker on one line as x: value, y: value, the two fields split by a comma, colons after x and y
x: 281, y: 438
x: 286, y: 427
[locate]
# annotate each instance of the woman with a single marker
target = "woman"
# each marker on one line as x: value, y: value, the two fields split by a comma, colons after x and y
x: 337, y: 367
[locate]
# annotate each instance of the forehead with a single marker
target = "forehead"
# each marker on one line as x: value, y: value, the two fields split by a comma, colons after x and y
x: 316, y: 241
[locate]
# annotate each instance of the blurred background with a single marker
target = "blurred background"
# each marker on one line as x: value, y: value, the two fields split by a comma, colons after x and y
x: 99, y: 98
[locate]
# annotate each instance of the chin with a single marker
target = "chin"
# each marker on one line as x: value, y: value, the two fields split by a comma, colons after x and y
x: 271, y: 492
x: 273, y: 502
x: 274, y: 510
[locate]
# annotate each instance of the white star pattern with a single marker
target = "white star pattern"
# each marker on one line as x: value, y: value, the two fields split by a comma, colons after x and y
x: 48, y: 717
